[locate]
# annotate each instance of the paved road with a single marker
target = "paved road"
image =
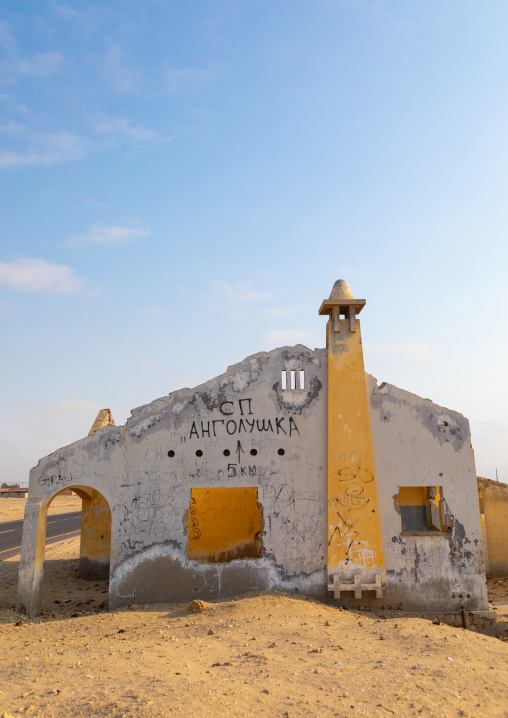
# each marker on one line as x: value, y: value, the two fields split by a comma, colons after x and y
x: 58, y: 527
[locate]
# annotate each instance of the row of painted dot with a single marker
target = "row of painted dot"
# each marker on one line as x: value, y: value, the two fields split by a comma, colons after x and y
x: 226, y: 452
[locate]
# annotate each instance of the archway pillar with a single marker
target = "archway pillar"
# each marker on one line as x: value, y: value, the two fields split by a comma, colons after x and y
x: 31, y: 563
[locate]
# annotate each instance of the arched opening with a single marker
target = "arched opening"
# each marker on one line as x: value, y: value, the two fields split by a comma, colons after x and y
x: 76, y: 570
x: 95, y: 534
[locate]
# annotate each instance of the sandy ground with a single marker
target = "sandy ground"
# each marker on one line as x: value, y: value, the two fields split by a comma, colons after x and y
x: 498, y: 591
x: 264, y: 653
x: 14, y: 509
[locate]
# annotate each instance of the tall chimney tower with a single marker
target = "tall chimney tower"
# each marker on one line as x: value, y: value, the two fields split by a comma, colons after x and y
x: 355, y: 548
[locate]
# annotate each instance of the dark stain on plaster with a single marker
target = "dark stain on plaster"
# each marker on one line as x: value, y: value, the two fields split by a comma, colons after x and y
x: 459, y: 555
x: 455, y: 432
x: 396, y: 574
x: 340, y: 347
x: 302, y: 358
x: 436, y: 588
x: 113, y: 437
x: 212, y: 401
x: 103, y: 440
x: 377, y: 399
x: 402, y: 542
x: 291, y: 399
x: 242, y: 550
x: 453, y: 429
x: 55, y: 459
x: 416, y: 565
x: 460, y: 560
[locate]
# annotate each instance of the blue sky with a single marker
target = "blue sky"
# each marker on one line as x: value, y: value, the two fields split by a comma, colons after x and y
x: 182, y: 182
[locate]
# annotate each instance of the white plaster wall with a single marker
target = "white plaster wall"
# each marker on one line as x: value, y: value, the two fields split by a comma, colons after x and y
x: 149, y: 492
x: 418, y: 443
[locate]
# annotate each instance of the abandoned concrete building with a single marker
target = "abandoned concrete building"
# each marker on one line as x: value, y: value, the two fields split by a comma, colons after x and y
x: 294, y: 470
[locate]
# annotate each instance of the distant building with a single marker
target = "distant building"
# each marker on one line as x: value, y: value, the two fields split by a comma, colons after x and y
x: 13, y: 493
x: 293, y: 471
x: 493, y: 496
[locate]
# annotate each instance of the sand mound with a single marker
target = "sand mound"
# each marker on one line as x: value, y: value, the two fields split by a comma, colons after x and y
x: 267, y: 653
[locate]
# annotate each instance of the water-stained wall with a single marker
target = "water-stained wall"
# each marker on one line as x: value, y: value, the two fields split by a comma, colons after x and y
x: 420, y: 444
x: 240, y: 430
x: 252, y: 443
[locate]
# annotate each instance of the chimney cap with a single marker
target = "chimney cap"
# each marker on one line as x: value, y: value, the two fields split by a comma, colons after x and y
x: 341, y: 296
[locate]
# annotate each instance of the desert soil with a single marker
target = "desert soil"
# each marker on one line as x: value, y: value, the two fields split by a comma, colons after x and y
x: 265, y: 653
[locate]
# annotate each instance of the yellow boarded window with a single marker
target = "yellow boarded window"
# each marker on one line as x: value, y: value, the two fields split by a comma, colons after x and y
x: 412, y: 496
x: 420, y: 509
x: 224, y: 524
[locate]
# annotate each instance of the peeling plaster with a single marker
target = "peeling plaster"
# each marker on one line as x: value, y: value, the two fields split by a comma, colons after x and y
x: 144, y: 425
x: 145, y: 470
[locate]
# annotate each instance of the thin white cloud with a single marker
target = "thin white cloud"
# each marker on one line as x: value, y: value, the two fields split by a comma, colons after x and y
x: 30, y: 148
x: 120, y: 128
x: 33, y: 275
x: 40, y: 148
x: 25, y: 147
x: 13, y: 104
x: 289, y: 337
x: 239, y: 291
x: 68, y: 13
x: 41, y: 64
x: 7, y: 41
x: 114, y: 235
x: 14, y: 129
x: 123, y: 80
x: 188, y: 79
x: 88, y: 18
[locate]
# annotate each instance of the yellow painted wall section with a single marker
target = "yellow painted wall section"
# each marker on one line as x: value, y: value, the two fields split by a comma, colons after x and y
x: 95, y: 527
x: 354, y: 528
x: 41, y: 536
x: 485, y: 545
x: 412, y: 496
x: 495, y: 507
x: 224, y: 524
